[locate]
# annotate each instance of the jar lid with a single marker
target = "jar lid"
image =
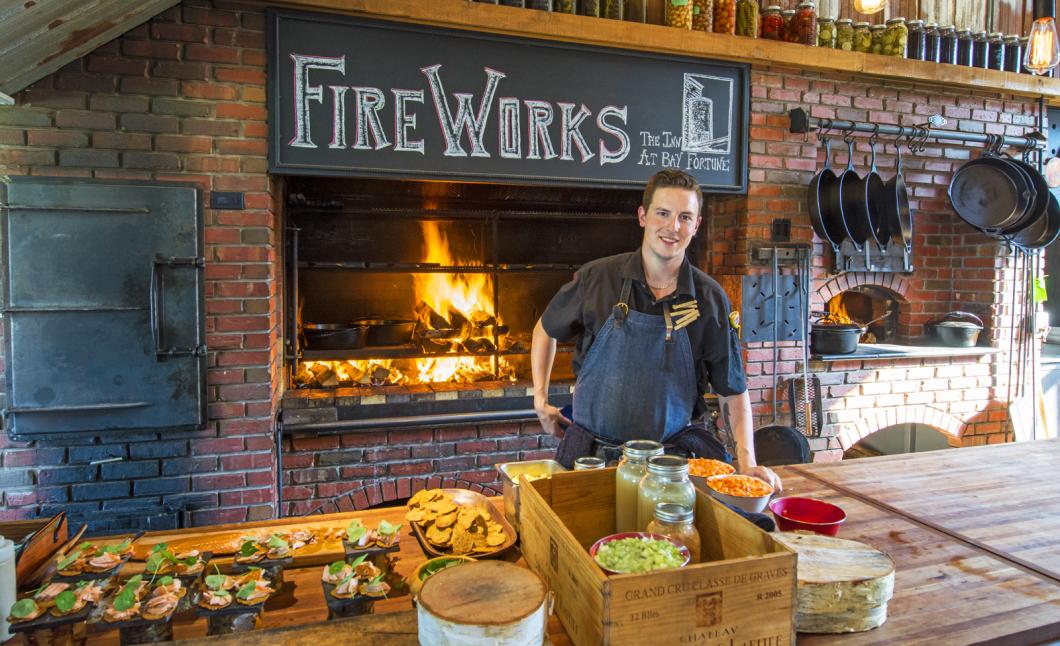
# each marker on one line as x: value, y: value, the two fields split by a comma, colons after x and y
x: 669, y: 512
x: 861, y: 25
x: 641, y: 449
x: 980, y: 34
x: 946, y: 27
x: 825, y: 19
x: 965, y: 31
x: 918, y: 22
x: 788, y: 12
x: 774, y: 7
x: 807, y: 4
x: 895, y: 21
x: 668, y: 465
x: 1012, y: 39
x: 997, y: 34
x: 932, y: 25
x: 877, y: 27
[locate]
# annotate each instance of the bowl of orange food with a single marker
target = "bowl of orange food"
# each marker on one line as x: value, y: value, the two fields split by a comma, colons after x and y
x: 699, y: 469
x: 745, y: 492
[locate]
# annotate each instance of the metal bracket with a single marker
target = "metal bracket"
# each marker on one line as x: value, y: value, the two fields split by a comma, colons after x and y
x: 895, y: 259
x: 756, y: 309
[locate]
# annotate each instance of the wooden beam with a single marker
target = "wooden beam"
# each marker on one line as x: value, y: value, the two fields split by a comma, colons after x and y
x: 461, y: 14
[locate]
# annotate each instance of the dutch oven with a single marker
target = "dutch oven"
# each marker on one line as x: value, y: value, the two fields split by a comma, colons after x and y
x: 835, y: 338
x: 957, y: 329
x: 388, y: 331
x: 334, y: 336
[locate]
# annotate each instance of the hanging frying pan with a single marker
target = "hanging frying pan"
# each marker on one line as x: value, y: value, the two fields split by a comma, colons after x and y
x: 851, y: 205
x: 990, y: 193
x: 873, y: 190
x: 894, y: 206
x: 1040, y: 203
x: 816, y: 194
x: 1043, y: 231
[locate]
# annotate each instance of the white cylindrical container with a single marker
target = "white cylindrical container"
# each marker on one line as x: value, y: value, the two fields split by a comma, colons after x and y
x: 7, y: 585
x: 483, y: 604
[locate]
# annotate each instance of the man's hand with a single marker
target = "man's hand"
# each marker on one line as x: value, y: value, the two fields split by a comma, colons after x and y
x: 552, y: 420
x: 766, y: 474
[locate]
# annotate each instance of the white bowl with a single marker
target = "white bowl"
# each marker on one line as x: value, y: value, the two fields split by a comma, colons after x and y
x: 754, y: 505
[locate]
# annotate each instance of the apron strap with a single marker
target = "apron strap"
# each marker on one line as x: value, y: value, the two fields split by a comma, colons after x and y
x: 621, y: 309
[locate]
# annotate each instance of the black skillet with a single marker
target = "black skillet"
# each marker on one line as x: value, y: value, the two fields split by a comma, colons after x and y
x: 990, y: 193
x: 1039, y: 205
x: 851, y: 193
x: 816, y: 196
x: 894, y: 206
x: 1043, y: 231
x: 872, y: 192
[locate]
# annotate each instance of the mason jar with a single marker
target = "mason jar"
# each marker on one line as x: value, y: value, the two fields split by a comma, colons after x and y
x: 565, y: 6
x: 679, y: 14
x: 677, y: 522
x: 995, y: 57
x: 703, y: 15
x: 512, y: 3
x: 876, y: 32
x: 747, y: 18
x: 631, y: 470
x: 772, y: 23
x: 895, y: 37
x: 862, y: 38
x: 589, y: 463
x: 964, y: 47
x: 844, y: 34
x: 947, y: 45
x: 666, y: 481
x: 914, y: 48
x: 589, y: 8
x: 826, y: 32
x: 1013, y: 53
x: 540, y: 5
x: 612, y: 9
x: 980, y: 49
x: 636, y: 11
x: 805, y: 22
x: 931, y: 42
x: 724, y: 16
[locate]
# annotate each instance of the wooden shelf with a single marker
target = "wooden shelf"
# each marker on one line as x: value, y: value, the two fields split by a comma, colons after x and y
x: 462, y: 14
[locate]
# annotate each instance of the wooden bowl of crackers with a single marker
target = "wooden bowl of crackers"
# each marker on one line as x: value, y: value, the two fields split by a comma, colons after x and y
x: 458, y: 521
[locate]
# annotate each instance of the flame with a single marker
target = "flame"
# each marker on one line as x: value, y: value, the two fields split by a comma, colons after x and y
x: 837, y: 311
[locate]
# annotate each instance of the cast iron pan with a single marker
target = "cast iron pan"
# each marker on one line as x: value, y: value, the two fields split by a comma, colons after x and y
x: 852, y: 202
x: 1040, y: 203
x: 816, y: 195
x: 388, y: 331
x: 894, y: 206
x: 334, y: 336
x: 873, y: 190
x: 990, y: 193
x: 1043, y: 231
x: 779, y: 445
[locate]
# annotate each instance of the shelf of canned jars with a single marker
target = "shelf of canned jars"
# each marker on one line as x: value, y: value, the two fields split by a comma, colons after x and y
x: 738, y: 30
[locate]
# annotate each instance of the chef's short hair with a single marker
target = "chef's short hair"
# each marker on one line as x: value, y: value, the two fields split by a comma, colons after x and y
x: 671, y: 178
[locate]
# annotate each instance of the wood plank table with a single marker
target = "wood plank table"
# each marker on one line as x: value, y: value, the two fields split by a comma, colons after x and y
x: 973, y: 532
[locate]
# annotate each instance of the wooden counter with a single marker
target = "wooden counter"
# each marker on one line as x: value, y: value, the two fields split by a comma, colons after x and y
x: 974, y: 533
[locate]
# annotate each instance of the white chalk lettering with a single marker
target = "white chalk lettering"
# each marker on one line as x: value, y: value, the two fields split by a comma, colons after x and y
x: 473, y: 124
x: 539, y: 116
x: 304, y: 92
x: 571, y: 135
x: 403, y: 120
x: 608, y: 156
x: 338, y: 116
x: 370, y: 100
x: 508, y: 132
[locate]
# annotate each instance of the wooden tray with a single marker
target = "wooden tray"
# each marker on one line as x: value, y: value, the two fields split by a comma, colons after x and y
x: 465, y: 497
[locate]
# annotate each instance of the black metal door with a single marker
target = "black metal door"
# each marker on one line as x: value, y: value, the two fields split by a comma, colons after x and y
x: 103, y: 306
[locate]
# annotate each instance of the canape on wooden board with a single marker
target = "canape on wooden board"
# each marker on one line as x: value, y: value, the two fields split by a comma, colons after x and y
x: 24, y: 610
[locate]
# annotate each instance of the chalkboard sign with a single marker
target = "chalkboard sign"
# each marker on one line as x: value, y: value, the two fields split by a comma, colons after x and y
x: 358, y: 97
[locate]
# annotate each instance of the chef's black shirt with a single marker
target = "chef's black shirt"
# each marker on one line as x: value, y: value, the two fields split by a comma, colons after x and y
x: 581, y: 307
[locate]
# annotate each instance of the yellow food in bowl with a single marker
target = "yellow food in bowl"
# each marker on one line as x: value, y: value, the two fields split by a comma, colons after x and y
x: 740, y: 485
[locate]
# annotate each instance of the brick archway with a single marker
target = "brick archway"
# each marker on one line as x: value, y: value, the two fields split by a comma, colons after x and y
x: 843, y: 282
x: 381, y: 491
x: 880, y: 418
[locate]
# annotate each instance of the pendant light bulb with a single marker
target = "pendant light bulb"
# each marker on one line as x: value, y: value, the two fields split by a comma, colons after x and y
x: 869, y: 6
x: 1043, y: 49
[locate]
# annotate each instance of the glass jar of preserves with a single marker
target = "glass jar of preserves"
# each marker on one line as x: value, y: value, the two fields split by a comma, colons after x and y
x: 666, y: 481
x: 964, y: 47
x: 805, y: 22
x: 947, y: 45
x: 564, y: 6
x: 862, y: 37
x: 631, y: 470
x: 703, y: 15
x: 1013, y: 53
x: 996, y: 53
x: 747, y: 18
x: 513, y: 3
x: 895, y: 37
x: 931, y: 42
x: 589, y: 463
x: 612, y: 9
x: 826, y: 32
x: 914, y: 48
x: 540, y: 5
x: 1024, y: 44
x: 788, y: 15
x: 844, y: 34
x: 679, y: 13
x: 589, y: 8
x: 773, y: 23
x: 876, y: 33
x: 487, y: 1
x: 980, y: 49
x: 676, y: 522
x: 724, y: 16
x: 637, y: 10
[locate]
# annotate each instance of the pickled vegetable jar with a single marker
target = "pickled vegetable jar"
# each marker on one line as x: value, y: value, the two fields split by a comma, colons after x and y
x: 876, y: 32
x: 541, y: 5
x: 914, y: 48
x: 637, y: 10
x: 724, y: 16
x: 844, y: 34
x: 703, y: 15
x: 679, y: 13
x: 826, y: 32
x: 747, y: 18
x: 980, y: 49
x: 947, y: 44
x: 895, y: 37
x: 996, y: 54
x: 931, y: 42
x: 666, y: 481
x: 789, y: 28
x: 1013, y: 54
x: 676, y: 522
x: 964, y: 46
x: 631, y: 470
x: 513, y: 3
x: 772, y: 23
x: 589, y: 7
x: 564, y: 6
x: 487, y: 1
x: 805, y: 23
x: 612, y: 9
x: 862, y: 38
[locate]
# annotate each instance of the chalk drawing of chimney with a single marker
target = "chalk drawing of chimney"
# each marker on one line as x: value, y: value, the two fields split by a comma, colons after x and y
x: 704, y: 128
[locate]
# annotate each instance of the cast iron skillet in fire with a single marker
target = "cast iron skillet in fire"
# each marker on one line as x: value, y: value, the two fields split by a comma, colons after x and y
x: 334, y: 336
x: 388, y: 331
x: 816, y: 197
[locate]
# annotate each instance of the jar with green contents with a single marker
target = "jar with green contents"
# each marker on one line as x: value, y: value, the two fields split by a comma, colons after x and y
x: 666, y: 481
x: 747, y: 18
x: 724, y: 16
x: 631, y: 470
x: 564, y: 6
x: 789, y: 27
x: 703, y: 15
x: 844, y: 34
x: 862, y: 38
x: 895, y: 37
x: 876, y: 32
x: 636, y: 11
x: 612, y: 9
x: 679, y: 14
x: 772, y: 23
x: 826, y: 32
x: 589, y: 8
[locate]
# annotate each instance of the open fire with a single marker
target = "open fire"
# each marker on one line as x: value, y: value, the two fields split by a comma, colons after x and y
x: 457, y: 328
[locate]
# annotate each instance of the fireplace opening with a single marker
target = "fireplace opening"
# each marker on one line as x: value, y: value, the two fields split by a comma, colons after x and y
x: 874, y: 308
x: 443, y: 281
x: 899, y: 439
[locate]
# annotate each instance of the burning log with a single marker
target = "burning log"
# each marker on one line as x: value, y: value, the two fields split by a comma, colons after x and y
x: 430, y: 319
x: 482, y: 319
x: 458, y: 321
x: 380, y: 375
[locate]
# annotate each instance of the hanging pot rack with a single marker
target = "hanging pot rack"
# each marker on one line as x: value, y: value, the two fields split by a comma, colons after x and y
x: 802, y: 122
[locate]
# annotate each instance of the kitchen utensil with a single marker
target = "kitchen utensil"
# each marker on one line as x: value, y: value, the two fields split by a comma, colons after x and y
x: 334, y: 336
x: 833, y: 338
x: 851, y: 193
x: 1040, y: 203
x: 387, y: 331
x: 990, y: 193
x: 894, y: 206
x: 798, y: 393
x: 795, y: 513
x: 957, y: 329
x: 1042, y: 232
x: 804, y: 274
x: 817, y: 197
x: 38, y: 549
x: 861, y: 211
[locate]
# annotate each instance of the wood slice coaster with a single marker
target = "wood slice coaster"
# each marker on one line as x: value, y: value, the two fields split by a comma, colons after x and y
x: 485, y: 602
x: 843, y: 585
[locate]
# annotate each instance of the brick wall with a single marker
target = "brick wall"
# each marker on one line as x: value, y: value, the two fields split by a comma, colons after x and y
x: 179, y: 98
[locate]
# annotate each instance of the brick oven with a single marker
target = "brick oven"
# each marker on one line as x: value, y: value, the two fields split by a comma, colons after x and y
x: 182, y: 98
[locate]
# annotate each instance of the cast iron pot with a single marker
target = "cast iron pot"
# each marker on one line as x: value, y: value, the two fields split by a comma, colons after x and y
x: 831, y: 338
x: 388, y: 331
x: 957, y: 329
x: 334, y: 336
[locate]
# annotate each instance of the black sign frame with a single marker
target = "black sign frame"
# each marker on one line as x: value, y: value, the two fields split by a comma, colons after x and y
x: 281, y: 159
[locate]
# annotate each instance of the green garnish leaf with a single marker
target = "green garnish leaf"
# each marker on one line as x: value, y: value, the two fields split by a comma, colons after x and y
x: 126, y: 599
x: 249, y: 548
x: 84, y: 546
x: 114, y: 549
x: 155, y: 562
x: 336, y: 567
x: 355, y: 530
x: 161, y: 547
x: 388, y: 529
x: 360, y: 559
x: 189, y: 561
x: 65, y: 601
x: 135, y: 581
x: 276, y: 542
x: 247, y: 590
x: 215, y: 581
x: 23, y: 608
x: 379, y: 578
x: 166, y: 580
x: 69, y: 559
x: 82, y: 584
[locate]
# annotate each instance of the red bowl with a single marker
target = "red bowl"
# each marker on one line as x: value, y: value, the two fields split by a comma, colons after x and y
x: 794, y: 513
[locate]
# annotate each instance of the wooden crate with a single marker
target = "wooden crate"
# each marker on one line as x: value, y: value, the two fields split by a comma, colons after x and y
x: 743, y: 594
